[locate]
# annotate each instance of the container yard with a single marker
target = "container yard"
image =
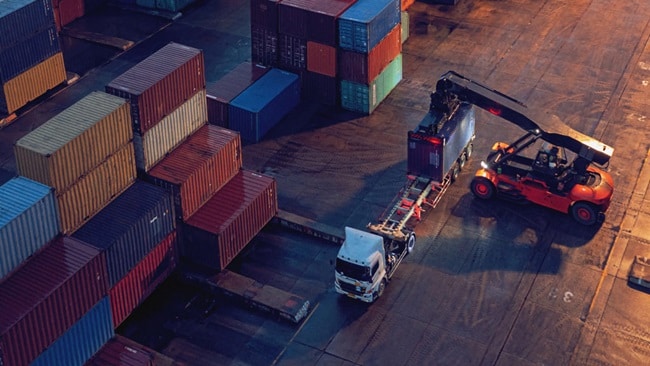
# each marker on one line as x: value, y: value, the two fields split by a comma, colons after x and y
x: 181, y: 181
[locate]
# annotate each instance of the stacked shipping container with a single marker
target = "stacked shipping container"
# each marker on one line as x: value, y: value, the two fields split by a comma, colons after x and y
x: 66, y: 11
x: 31, y: 62
x: 168, y: 101
x: 85, y: 153
x: 264, y: 32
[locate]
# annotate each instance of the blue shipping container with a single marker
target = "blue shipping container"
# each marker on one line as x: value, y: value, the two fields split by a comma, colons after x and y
x: 30, y: 52
x: 20, y: 19
x: 82, y: 340
x: 28, y: 220
x: 263, y: 104
x: 130, y: 227
x: 365, y: 98
x: 366, y: 23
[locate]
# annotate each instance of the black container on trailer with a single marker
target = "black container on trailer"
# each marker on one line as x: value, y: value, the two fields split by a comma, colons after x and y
x: 437, y: 142
x: 130, y: 227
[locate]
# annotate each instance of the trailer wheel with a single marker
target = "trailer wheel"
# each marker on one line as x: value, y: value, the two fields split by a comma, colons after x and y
x: 455, y: 171
x: 462, y: 160
x: 410, y: 243
x: 584, y: 213
x: 468, y: 150
x: 482, y: 188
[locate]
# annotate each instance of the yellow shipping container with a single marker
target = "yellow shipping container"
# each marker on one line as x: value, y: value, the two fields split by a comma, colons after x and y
x: 34, y: 82
x: 95, y: 190
x: 167, y: 134
x: 75, y: 141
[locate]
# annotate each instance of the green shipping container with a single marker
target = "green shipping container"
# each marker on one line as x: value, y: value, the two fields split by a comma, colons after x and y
x: 365, y: 98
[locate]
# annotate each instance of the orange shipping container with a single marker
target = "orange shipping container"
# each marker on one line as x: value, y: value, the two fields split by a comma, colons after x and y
x: 321, y: 58
x: 74, y: 141
x: 32, y: 83
x: 363, y: 68
x: 405, y: 4
x: 199, y: 167
x: 96, y: 189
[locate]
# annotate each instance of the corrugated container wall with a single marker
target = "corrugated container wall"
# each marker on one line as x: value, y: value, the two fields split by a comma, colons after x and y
x: 428, y: 155
x: 74, y: 141
x: 160, y: 83
x: 167, y: 134
x: 69, y: 10
x: 320, y: 88
x: 32, y: 83
x: 23, y: 55
x: 365, y: 98
x: 366, y: 23
x: 123, y: 351
x: 313, y: 20
x: 96, y: 189
x: 143, y: 279
x: 130, y: 227
x: 21, y: 18
x: 264, y: 14
x: 221, y: 92
x: 261, y: 106
x: 292, y: 53
x: 264, y: 46
x: 365, y: 67
x: 47, y: 295
x: 406, y: 26
x: 215, y: 234
x: 82, y: 340
x: 28, y: 220
x: 198, y: 168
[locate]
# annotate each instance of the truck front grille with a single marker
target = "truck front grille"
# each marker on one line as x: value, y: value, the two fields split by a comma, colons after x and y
x: 350, y: 287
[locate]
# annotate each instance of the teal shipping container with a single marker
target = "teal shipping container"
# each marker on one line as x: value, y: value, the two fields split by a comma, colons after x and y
x: 169, y: 5
x: 28, y: 220
x: 365, y: 98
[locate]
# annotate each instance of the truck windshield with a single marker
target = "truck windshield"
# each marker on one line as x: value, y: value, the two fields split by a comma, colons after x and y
x: 352, y: 270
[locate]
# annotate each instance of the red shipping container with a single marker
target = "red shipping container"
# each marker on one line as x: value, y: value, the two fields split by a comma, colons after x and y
x: 217, y: 232
x: 363, y: 68
x: 160, y: 83
x: 194, y: 171
x: 69, y: 10
x: 123, y: 351
x: 321, y: 58
x: 46, y: 295
x: 221, y: 92
x: 143, y: 279
x: 315, y: 20
x: 405, y: 4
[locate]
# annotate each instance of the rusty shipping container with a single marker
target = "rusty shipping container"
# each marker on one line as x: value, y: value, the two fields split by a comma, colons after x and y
x: 264, y: 46
x: 160, y: 83
x: 221, y: 92
x: 219, y: 230
x: 49, y: 293
x: 314, y: 20
x: 164, y: 136
x: 198, y: 168
x: 123, y: 351
x: 130, y: 227
x: 363, y: 68
x: 33, y: 83
x: 96, y: 189
x: 28, y: 220
x: 143, y: 279
x: 74, y: 141
x: 20, y: 19
x: 21, y: 56
x: 321, y: 58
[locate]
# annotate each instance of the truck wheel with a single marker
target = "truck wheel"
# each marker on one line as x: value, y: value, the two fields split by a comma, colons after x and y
x: 584, y: 213
x: 468, y: 150
x: 410, y: 243
x: 380, y: 289
x: 482, y: 188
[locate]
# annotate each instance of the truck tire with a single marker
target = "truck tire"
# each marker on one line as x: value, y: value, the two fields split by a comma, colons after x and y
x: 584, y: 213
x: 482, y: 188
x: 380, y: 290
x: 462, y: 160
x: 410, y: 243
x: 468, y: 150
x: 455, y: 171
